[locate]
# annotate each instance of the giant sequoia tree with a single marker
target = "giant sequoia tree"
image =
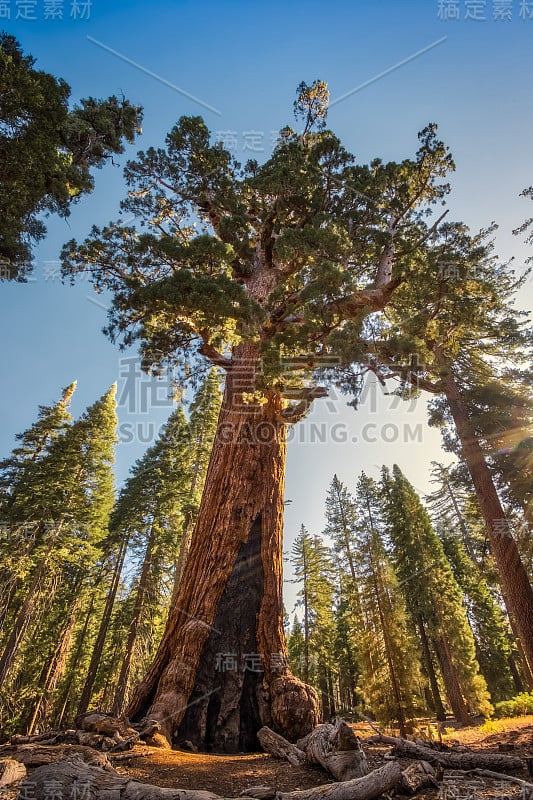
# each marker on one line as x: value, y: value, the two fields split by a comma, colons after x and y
x: 262, y: 270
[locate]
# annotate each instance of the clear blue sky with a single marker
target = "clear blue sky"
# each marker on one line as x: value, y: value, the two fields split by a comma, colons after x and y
x: 244, y: 61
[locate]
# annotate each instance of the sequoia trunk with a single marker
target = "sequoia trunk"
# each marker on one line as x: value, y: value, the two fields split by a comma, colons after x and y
x: 516, y: 588
x: 220, y: 672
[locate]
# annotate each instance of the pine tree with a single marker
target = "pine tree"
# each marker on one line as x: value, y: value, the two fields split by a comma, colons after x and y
x: 433, y: 596
x: 397, y: 647
x: 454, y: 509
x: 491, y: 633
x: 153, y: 477
x: 454, y: 332
x: 345, y: 649
x: 341, y: 527
x: 390, y: 671
x: 47, y: 152
x: 313, y: 568
x: 73, y: 488
x: 166, y: 478
x: 296, y: 647
x: 261, y: 270
x: 148, y: 518
x: 22, y: 519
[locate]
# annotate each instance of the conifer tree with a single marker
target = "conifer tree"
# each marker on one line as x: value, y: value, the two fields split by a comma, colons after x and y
x: 135, y: 500
x: 395, y: 688
x: 390, y: 671
x: 147, y: 518
x: 48, y: 152
x: 22, y: 518
x: 432, y: 595
x: 341, y: 527
x: 460, y: 527
x: 491, y: 633
x: 313, y: 568
x: 73, y: 491
x: 454, y: 332
x: 285, y: 261
x: 296, y: 649
x: 166, y: 480
x: 345, y: 649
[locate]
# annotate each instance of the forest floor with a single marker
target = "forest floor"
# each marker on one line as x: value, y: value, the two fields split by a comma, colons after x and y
x: 228, y: 775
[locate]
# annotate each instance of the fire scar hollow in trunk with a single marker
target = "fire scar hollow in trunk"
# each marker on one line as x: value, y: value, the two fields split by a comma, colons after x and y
x: 220, y: 672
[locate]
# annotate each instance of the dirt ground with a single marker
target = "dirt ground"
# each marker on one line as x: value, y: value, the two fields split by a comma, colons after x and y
x: 229, y: 775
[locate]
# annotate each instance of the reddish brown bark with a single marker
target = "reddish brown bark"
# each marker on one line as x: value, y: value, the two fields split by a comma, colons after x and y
x: 516, y: 588
x: 427, y: 660
x: 451, y: 682
x: 229, y: 602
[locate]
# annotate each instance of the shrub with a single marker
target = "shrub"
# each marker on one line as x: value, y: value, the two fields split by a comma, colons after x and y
x: 519, y: 706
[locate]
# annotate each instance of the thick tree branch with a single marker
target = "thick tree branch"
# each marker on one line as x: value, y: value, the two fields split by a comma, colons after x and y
x: 214, y: 356
x: 295, y: 413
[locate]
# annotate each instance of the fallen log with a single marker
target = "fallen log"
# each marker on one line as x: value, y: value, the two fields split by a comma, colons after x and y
x: 259, y: 793
x: 279, y: 747
x: 335, y: 748
x: 19, y: 738
x: 368, y: 787
x: 11, y: 771
x: 117, y: 728
x: 37, y: 755
x: 68, y: 776
x: 465, y: 761
x: 97, y: 741
x: 338, y: 750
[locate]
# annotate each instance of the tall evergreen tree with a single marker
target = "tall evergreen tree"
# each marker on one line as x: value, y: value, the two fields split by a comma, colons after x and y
x: 166, y: 481
x: 178, y: 483
x: 397, y: 686
x: 342, y: 527
x: 390, y: 671
x: 73, y: 490
x: 313, y: 568
x: 454, y: 332
x: 464, y: 545
x: 296, y: 648
x: 148, y: 518
x: 433, y: 596
x: 286, y: 260
x: 345, y: 649
x: 491, y: 633
x: 47, y: 152
x: 23, y: 519
x: 203, y: 420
